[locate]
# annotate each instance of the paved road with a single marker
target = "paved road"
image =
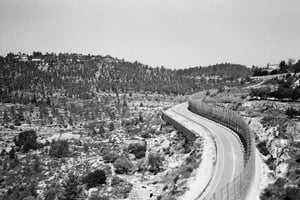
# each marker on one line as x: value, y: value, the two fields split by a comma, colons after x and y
x: 229, y: 151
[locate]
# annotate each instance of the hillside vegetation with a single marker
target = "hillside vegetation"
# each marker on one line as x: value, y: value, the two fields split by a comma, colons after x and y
x: 82, y: 76
x: 220, y: 70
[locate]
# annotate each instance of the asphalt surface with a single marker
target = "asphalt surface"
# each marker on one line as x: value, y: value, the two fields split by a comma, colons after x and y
x: 229, y: 161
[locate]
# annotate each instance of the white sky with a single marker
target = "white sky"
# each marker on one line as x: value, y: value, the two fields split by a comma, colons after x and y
x: 173, y: 33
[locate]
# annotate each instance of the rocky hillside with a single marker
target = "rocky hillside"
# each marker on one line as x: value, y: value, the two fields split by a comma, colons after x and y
x: 276, y: 127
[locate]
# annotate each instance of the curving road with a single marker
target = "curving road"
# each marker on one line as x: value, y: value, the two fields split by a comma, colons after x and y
x: 229, y: 152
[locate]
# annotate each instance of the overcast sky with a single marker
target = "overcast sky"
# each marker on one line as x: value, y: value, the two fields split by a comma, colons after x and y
x: 171, y: 33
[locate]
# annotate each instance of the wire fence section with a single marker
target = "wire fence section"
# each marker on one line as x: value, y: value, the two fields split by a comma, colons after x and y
x: 236, y: 189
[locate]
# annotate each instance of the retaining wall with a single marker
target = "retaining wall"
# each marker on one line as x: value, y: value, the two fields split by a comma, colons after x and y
x: 190, y: 135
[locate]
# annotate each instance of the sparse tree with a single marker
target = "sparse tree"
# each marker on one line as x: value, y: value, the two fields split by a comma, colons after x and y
x: 59, y: 148
x: 95, y: 178
x: 26, y: 140
x: 155, y: 162
x: 111, y: 126
x: 101, y: 130
x: 5, y: 117
x: 207, y: 93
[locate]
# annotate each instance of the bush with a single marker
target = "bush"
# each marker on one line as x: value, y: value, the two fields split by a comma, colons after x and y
x: 95, y: 178
x: 260, y: 92
x: 280, y: 193
x: 109, y: 155
x: 139, y: 150
x: 17, y: 122
x: 97, y: 197
x: 111, y: 126
x: 291, y: 112
x: 59, y: 148
x: 262, y: 147
x: 37, y: 164
x: 186, y: 171
x: 71, y: 188
x: 207, y: 93
x: 53, y: 192
x: 146, y: 134
x: 121, y: 188
x: 122, y: 165
x: 21, y: 191
x: 155, y: 162
x: 26, y: 140
x: 101, y: 130
x: 116, y: 181
x: 12, y: 154
x: 141, y: 166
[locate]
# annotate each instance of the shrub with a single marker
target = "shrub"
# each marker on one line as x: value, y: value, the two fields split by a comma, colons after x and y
x: 111, y: 126
x: 141, y: 166
x: 97, y: 197
x: 71, y: 188
x: 291, y: 112
x: 260, y: 92
x: 278, y: 193
x: 141, y: 118
x: 95, y: 178
x: 155, y: 162
x: 12, y: 153
x: 53, y: 192
x: 13, y: 163
x: 3, y: 152
x: 26, y: 140
x: 37, y: 164
x: 116, y: 181
x: 121, y: 189
x: 139, y: 150
x: 17, y: 122
x: 146, y: 134
x: 262, y: 147
x: 271, y: 163
x: 85, y: 147
x: 186, y: 171
x: 59, y: 148
x: 21, y: 191
x: 109, y: 155
x: 122, y: 165
x: 101, y: 130
x: 93, y: 131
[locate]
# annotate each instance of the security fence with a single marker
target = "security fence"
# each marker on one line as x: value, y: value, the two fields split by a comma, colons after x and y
x: 238, y: 188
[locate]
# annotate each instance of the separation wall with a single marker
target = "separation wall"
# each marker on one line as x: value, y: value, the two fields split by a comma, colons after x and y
x: 238, y: 188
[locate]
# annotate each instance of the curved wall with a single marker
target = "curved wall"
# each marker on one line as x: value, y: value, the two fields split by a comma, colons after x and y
x: 238, y: 188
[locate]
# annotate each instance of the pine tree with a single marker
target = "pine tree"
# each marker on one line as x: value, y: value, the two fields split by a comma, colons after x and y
x: 111, y: 126
x: 101, y: 130
x: 5, y: 116
x: 48, y: 101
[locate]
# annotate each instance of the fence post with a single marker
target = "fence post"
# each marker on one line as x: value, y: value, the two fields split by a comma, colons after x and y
x: 214, y: 196
x: 222, y: 193
x: 227, y: 188
x: 241, y: 184
x: 234, y: 188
